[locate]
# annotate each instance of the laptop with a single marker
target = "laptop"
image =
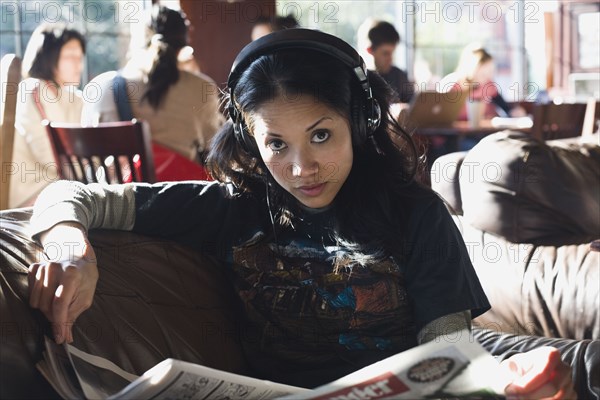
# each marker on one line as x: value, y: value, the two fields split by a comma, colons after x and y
x: 433, y: 109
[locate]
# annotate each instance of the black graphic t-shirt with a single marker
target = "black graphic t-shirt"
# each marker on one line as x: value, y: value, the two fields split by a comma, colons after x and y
x: 311, y: 316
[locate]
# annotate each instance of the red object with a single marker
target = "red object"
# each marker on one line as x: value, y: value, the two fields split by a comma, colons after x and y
x: 172, y: 166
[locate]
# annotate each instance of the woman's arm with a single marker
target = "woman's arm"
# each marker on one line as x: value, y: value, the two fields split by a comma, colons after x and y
x: 448, y: 324
x: 536, y: 374
x: 194, y: 213
x: 62, y: 285
x: 90, y: 206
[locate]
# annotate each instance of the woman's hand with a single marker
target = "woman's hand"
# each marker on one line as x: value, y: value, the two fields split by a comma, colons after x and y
x: 63, y: 285
x: 539, y: 374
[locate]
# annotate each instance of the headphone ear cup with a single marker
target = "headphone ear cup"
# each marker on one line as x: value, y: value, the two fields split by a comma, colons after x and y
x: 366, y: 117
x: 243, y: 137
x: 246, y: 141
x: 240, y: 130
x: 359, y: 126
x: 374, y: 116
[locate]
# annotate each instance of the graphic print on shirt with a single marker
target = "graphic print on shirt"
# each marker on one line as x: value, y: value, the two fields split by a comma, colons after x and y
x: 296, y: 300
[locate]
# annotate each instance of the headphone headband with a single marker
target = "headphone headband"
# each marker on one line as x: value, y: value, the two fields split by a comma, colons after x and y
x: 368, y: 112
x: 298, y: 38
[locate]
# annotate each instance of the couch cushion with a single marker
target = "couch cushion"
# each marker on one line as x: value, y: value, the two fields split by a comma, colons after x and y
x: 528, y: 191
x: 536, y: 290
x: 444, y: 175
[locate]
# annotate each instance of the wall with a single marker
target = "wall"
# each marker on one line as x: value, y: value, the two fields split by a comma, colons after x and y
x: 220, y: 29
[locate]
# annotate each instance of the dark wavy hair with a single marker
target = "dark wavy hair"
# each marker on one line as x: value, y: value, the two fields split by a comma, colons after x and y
x: 43, y: 50
x: 382, y: 32
x: 368, y: 208
x: 170, y: 29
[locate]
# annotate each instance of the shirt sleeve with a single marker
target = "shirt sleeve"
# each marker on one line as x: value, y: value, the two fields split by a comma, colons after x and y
x: 92, y: 206
x: 441, y: 279
x: 205, y: 215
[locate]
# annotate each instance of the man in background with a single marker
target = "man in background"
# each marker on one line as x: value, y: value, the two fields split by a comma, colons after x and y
x: 381, y: 40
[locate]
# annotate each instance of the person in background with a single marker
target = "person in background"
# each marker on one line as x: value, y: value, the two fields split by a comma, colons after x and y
x: 52, y: 67
x: 339, y: 257
x: 475, y: 74
x: 380, y: 40
x: 265, y: 25
x: 181, y: 107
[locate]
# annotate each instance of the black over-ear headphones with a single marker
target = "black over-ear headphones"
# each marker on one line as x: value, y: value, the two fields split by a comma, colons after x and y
x: 366, y: 112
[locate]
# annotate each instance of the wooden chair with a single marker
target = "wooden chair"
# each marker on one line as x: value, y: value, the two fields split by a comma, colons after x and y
x: 526, y: 105
x: 591, y: 123
x: 111, y: 152
x: 556, y: 121
x: 10, y: 76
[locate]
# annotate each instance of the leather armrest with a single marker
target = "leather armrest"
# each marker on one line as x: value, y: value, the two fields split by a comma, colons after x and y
x: 529, y: 191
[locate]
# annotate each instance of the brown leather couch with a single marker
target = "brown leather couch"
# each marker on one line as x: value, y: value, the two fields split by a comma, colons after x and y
x: 528, y: 211
x: 143, y: 312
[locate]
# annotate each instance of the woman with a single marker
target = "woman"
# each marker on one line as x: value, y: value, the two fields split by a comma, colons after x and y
x: 475, y: 75
x: 339, y: 257
x: 52, y: 67
x: 181, y: 107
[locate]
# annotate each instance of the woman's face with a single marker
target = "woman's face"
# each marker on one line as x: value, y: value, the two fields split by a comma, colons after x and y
x: 306, y: 145
x: 70, y: 64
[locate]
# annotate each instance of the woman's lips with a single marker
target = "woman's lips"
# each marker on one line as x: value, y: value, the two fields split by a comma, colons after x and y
x: 312, y: 190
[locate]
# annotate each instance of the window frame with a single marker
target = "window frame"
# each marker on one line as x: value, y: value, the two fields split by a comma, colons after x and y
x: 21, y: 35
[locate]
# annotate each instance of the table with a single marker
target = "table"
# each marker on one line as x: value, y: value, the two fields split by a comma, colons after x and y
x: 454, y: 136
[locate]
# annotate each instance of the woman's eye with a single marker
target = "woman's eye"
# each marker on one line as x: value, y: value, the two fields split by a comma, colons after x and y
x: 276, y: 145
x: 320, y: 136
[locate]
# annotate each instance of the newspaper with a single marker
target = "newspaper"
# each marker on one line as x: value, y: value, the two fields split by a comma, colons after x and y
x: 454, y: 367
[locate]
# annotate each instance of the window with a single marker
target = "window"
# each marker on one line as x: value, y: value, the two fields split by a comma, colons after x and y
x: 104, y: 23
x: 584, y: 76
x: 586, y: 32
x: 435, y: 32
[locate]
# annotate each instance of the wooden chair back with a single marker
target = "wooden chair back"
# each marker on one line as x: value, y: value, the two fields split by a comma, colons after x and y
x: 111, y: 152
x: 525, y: 105
x: 556, y: 121
x: 591, y: 123
x: 10, y: 67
